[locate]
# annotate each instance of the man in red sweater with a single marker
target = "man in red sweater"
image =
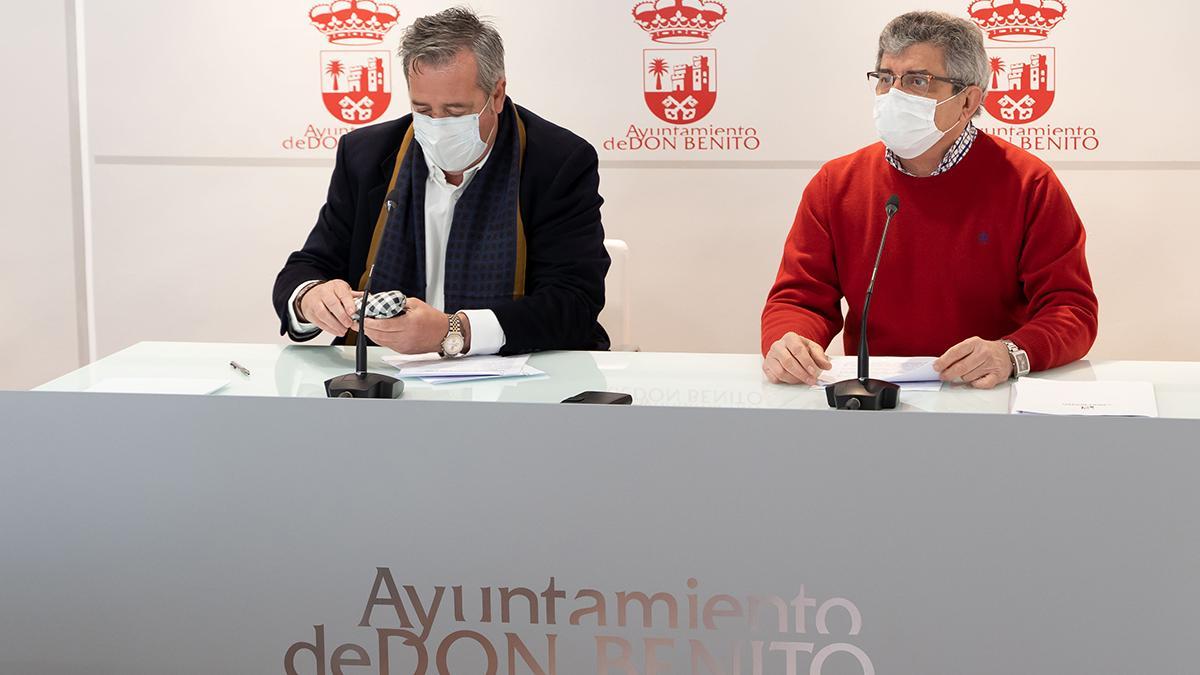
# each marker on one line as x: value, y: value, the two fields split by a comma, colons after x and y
x: 984, y: 263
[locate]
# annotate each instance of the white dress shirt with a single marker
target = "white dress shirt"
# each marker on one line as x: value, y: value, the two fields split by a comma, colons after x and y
x: 487, y: 337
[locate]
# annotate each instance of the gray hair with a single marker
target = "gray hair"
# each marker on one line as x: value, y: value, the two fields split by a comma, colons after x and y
x: 436, y: 39
x: 960, y: 40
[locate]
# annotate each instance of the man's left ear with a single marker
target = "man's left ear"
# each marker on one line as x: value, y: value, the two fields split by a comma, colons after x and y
x: 499, y: 96
x: 974, y: 100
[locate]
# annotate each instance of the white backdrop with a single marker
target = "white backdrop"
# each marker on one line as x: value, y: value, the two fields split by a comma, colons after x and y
x: 40, y: 272
x: 195, y: 201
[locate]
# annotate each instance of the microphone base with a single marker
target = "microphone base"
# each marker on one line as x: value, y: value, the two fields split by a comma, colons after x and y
x: 865, y: 394
x: 371, y: 385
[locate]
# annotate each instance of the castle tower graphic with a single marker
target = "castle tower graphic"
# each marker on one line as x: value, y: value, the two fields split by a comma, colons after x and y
x: 1023, y: 83
x: 1022, y: 78
x: 355, y: 85
x: 680, y: 84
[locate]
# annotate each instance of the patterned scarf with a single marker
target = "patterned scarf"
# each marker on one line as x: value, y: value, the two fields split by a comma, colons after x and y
x: 485, y: 253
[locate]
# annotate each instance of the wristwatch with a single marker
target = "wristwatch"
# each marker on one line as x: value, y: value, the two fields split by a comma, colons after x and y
x: 453, y: 343
x: 1020, y: 360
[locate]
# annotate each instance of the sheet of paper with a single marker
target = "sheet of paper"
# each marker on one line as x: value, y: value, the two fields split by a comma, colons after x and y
x: 912, y: 373
x: 469, y: 366
x: 1033, y: 396
x: 157, y: 385
x: 399, y: 360
x: 920, y: 386
x: 528, y: 371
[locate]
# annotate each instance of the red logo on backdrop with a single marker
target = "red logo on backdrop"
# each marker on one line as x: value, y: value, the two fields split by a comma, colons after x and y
x: 354, y: 22
x: 1023, y: 79
x: 1022, y: 84
x: 679, y: 21
x: 355, y: 85
x: 1017, y: 20
x: 680, y: 84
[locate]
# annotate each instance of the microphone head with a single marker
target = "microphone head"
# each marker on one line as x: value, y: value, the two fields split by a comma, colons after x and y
x: 893, y: 204
x: 392, y: 199
x: 367, y: 287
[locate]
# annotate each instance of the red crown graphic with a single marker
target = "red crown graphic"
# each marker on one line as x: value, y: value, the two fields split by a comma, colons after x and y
x: 679, y: 21
x: 354, y: 22
x: 1017, y: 20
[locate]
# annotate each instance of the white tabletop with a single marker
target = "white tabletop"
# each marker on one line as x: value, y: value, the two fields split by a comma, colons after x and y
x: 654, y: 379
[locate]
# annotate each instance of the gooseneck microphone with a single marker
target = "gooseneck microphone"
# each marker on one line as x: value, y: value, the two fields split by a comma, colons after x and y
x: 864, y: 359
x: 864, y: 393
x: 361, y: 383
x: 360, y: 345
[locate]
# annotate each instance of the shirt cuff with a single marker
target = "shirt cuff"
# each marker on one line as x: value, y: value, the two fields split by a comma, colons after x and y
x: 487, y: 337
x: 298, y: 327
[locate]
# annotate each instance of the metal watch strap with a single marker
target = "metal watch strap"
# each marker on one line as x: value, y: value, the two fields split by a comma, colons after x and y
x: 1018, y: 358
x: 455, y: 329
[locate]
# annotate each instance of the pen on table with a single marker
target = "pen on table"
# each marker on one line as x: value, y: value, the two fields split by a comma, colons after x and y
x: 240, y: 368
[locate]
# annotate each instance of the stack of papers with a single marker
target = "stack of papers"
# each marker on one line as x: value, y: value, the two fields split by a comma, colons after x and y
x: 158, y: 385
x: 912, y: 373
x: 434, y: 369
x: 1032, y: 396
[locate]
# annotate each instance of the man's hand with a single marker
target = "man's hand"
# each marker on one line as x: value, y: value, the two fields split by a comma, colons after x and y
x: 795, y: 360
x: 330, y: 305
x: 419, y: 330
x: 981, y: 363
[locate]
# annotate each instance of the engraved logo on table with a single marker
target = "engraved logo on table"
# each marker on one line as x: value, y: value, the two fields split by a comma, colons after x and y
x: 453, y: 628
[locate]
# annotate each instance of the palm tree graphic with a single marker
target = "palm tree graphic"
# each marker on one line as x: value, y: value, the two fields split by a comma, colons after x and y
x: 335, y: 70
x: 658, y: 68
x: 997, y: 66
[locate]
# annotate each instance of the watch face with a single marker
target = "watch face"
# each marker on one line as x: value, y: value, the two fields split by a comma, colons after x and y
x: 453, y: 344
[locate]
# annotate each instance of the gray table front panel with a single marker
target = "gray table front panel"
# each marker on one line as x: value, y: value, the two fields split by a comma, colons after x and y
x: 150, y: 535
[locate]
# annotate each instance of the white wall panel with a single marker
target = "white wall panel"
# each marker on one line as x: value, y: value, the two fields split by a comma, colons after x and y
x: 702, y: 266
x: 39, y: 333
x: 233, y: 79
x: 230, y: 81
x: 202, y: 270
x: 191, y: 253
x: 1142, y: 241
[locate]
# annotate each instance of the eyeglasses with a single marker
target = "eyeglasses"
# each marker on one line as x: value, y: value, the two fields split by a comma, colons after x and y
x: 913, y: 83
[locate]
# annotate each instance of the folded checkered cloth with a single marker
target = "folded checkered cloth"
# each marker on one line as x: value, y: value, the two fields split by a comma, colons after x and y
x: 383, y: 305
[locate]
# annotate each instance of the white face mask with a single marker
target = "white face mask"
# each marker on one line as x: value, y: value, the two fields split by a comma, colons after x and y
x: 905, y: 122
x: 451, y: 143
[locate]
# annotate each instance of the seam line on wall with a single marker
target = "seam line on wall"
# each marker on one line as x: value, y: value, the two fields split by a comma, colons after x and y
x: 756, y: 165
x: 81, y: 200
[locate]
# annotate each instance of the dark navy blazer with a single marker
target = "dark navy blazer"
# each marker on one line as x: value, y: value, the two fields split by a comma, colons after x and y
x: 560, y: 205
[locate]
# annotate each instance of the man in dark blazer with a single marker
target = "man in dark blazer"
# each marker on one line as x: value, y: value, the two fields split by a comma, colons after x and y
x: 492, y: 224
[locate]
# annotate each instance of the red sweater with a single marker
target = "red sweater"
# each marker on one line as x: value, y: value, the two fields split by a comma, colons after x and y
x: 991, y: 248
